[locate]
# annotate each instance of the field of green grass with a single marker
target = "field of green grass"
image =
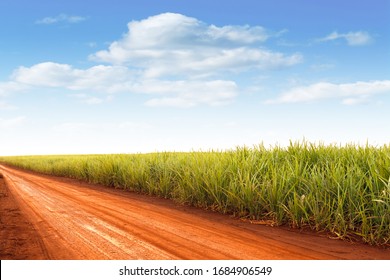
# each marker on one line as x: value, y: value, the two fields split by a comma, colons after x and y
x: 344, y: 190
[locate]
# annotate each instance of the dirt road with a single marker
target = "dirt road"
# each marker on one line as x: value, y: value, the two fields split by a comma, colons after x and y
x: 66, y: 219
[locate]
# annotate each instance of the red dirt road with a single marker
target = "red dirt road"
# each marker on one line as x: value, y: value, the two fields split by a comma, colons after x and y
x: 58, y: 218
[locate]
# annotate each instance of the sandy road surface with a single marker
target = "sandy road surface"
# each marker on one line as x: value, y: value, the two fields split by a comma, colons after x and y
x: 73, y: 220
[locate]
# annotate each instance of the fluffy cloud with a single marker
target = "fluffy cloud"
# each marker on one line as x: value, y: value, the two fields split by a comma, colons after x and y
x: 61, y: 18
x: 114, y: 79
x: 173, y: 59
x: 174, y: 44
x: 351, y: 93
x: 358, y: 38
x: 189, y: 93
x: 98, y: 78
x: 171, y: 30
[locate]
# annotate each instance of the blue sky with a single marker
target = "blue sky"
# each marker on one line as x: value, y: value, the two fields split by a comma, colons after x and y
x: 141, y: 76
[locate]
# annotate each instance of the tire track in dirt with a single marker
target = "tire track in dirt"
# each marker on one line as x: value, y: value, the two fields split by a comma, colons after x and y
x: 82, y: 221
x: 18, y: 237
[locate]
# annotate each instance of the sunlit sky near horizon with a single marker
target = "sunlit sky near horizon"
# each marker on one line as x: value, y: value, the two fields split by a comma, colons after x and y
x: 81, y: 77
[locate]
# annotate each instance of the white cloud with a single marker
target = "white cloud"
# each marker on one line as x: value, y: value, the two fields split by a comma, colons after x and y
x: 174, y: 59
x: 44, y: 74
x: 61, y: 18
x: 114, y: 79
x: 358, y: 38
x: 351, y: 93
x: 240, y: 34
x: 50, y: 74
x: 174, y: 44
x: 189, y: 93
